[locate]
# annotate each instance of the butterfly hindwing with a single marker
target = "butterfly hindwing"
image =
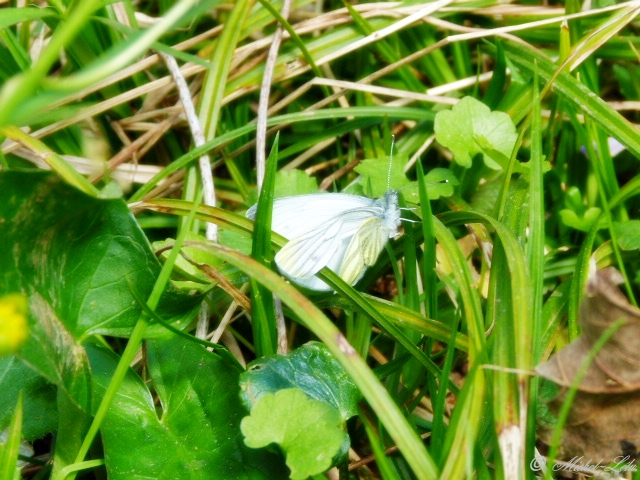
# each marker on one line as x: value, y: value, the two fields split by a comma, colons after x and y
x: 309, y: 252
x: 363, y: 250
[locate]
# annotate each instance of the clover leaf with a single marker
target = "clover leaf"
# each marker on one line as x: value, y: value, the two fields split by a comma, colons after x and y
x: 308, y: 431
x: 471, y: 128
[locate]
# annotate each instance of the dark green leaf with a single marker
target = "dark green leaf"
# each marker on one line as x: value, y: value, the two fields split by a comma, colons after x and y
x: 82, y: 255
x: 39, y: 403
x: 54, y: 354
x: 310, y: 368
x: 196, y: 435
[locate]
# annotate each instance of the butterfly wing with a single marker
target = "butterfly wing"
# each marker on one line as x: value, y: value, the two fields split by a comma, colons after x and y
x: 369, y: 240
x: 294, y: 216
x: 306, y: 254
x: 363, y: 249
x: 324, y: 229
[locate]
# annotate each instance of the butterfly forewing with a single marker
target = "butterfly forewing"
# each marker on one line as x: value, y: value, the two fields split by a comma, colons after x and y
x: 295, y: 216
x: 305, y: 255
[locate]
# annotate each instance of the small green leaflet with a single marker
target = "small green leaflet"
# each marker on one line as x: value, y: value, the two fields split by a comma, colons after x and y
x: 308, y: 431
x: 378, y: 180
x: 471, y: 128
x: 301, y: 401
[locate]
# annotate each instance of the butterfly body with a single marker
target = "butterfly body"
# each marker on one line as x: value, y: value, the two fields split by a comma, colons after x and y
x: 343, y: 232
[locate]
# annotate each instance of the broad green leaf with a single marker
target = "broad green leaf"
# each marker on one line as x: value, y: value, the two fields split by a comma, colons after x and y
x: 82, y: 263
x: 546, y: 393
x: 307, y: 430
x: 39, y: 401
x: 196, y: 435
x: 484, y: 198
x: 235, y: 240
x: 52, y: 352
x: 470, y: 128
x: 86, y: 258
x: 310, y: 368
x: 628, y: 234
x: 294, y: 182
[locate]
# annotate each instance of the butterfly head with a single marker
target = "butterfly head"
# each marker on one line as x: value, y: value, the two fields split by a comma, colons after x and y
x: 391, y: 216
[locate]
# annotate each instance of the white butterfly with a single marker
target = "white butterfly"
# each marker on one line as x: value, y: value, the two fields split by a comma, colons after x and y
x: 343, y: 232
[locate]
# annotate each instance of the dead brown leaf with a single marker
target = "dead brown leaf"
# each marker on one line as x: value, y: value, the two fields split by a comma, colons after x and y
x: 604, y: 423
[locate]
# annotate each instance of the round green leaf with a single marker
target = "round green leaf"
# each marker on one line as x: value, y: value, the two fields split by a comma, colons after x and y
x: 307, y: 430
x: 310, y: 368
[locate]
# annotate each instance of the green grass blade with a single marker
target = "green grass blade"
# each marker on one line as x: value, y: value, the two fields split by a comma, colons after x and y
x: 577, y: 94
x: 382, y: 112
x: 376, y: 395
x: 213, y: 89
x: 262, y: 305
x: 56, y: 162
x: 11, y: 449
x: 536, y: 259
x: 134, y: 342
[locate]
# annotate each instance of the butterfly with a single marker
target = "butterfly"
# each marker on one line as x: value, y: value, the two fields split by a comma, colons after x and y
x: 337, y: 230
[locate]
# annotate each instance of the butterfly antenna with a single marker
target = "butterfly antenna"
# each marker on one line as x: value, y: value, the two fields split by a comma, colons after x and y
x: 393, y: 141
